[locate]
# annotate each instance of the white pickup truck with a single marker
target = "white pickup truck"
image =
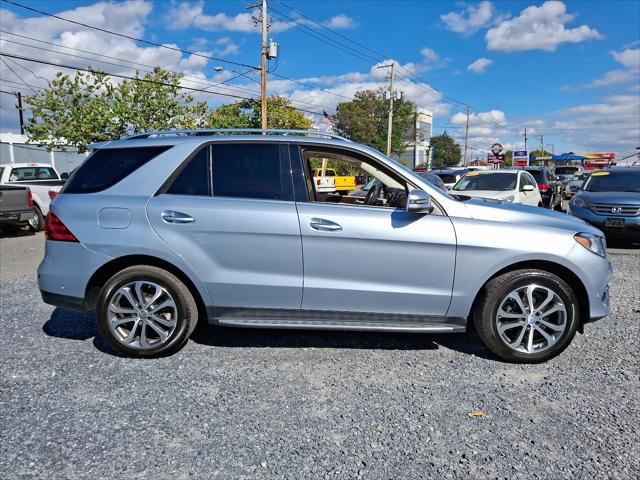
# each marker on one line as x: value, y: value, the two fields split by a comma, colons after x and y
x: 41, y: 179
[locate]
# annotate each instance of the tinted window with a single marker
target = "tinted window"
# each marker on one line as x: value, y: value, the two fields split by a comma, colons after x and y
x: 250, y: 171
x: 107, y: 167
x: 195, y: 179
x: 487, y: 181
x: 32, y: 173
x: 566, y: 170
x: 621, y: 181
x: 538, y: 175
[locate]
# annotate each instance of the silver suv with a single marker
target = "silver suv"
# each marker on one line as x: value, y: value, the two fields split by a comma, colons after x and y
x: 159, y: 231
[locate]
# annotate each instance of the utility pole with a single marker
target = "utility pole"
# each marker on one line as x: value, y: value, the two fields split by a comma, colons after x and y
x: 263, y: 50
x: 20, y: 113
x: 525, y: 138
x: 391, y: 95
x: 541, y: 144
x: 466, y: 135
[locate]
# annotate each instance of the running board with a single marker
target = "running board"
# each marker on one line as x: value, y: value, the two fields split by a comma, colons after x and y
x: 443, y: 325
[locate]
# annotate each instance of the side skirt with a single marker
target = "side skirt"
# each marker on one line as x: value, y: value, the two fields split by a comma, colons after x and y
x: 330, y: 320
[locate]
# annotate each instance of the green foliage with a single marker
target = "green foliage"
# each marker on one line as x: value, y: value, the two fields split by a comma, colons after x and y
x: 74, y: 112
x: 364, y: 120
x: 247, y: 114
x: 447, y: 151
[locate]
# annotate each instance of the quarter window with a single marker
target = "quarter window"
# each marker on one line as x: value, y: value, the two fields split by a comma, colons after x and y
x: 195, y: 178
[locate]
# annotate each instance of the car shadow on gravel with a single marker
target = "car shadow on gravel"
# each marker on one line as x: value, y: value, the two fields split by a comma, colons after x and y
x: 213, y: 336
x: 75, y: 326
x: 82, y: 326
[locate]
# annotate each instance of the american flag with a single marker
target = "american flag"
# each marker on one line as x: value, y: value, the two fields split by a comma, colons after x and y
x: 330, y: 119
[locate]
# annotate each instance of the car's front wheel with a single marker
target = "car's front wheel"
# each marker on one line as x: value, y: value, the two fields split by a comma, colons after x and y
x: 527, y: 316
x: 145, y: 311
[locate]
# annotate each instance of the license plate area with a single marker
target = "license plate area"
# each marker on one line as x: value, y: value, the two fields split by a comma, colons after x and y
x: 614, y: 222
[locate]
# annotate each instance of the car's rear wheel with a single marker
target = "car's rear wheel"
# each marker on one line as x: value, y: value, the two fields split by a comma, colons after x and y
x: 527, y: 316
x: 36, y: 222
x: 145, y: 311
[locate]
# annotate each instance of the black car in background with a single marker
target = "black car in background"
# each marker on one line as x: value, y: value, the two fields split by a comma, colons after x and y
x: 549, y: 185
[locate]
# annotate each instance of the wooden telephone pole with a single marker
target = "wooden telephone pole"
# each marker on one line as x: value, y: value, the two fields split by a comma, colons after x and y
x: 391, y: 95
x: 263, y: 49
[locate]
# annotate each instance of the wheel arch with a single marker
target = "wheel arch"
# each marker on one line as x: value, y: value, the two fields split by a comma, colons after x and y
x: 551, y: 267
x: 106, y: 271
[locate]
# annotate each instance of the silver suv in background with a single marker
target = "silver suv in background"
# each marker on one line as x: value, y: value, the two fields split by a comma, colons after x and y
x: 161, y: 230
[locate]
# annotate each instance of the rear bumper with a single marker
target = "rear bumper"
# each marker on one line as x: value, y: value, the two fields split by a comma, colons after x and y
x: 16, y: 216
x: 65, y: 301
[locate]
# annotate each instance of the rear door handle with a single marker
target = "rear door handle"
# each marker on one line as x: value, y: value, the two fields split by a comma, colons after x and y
x: 170, y: 216
x: 324, y: 225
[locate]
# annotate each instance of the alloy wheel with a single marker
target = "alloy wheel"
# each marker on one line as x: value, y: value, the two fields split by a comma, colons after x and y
x: 142, y: 314
x: 531, y: 319
x: 34, y: 222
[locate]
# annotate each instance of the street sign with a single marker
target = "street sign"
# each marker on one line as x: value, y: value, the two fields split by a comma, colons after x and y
x: 520, y: 158
x: 495, y: 158
x: 496, y: 148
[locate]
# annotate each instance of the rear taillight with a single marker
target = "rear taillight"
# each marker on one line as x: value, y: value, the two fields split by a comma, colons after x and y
x: 29, y: 198
x: 543, y: 188
x: 54, y: 229
x: 52, y: 194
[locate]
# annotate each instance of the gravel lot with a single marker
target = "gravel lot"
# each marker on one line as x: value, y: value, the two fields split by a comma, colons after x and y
x: 266, y: 404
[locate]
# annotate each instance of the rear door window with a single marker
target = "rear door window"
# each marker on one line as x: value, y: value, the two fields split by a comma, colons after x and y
x: 106, y: 167
x: 251, y: 170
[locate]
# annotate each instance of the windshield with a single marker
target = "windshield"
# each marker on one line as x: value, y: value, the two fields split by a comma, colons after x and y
x: 623, y: 181
x: 565, y: 170
x: 500, y: 182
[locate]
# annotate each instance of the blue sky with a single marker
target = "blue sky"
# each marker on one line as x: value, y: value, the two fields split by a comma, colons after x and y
x: 567, y: 70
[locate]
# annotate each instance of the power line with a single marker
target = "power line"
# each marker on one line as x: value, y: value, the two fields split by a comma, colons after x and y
x: 144, y: 80
x: 17, y: 74
x: 110, y: 32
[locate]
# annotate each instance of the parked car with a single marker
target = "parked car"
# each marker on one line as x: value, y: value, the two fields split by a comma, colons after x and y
x: 566, y: 172
x: 16, y: 207
x: 41, y: 178
x: 574, y: 184
x: 160, y: 230
x: 450, y: 176
x: 548, y: 184
x: 506, y: 185
x: 610, y: 200
x: 341, y: 183
x: 433, y: 179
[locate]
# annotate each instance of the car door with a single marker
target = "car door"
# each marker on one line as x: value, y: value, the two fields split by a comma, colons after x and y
x: 529, y: 198
x: 230, y: 213
x: 361, y: 258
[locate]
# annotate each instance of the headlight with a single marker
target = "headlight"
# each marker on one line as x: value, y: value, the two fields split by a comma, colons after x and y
x: 509, y: 199
x: 578, y: 202
x: 592, y: 242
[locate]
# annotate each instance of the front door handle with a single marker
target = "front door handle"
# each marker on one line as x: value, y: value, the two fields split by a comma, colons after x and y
x: 324, y: 225
x: 170, y: 216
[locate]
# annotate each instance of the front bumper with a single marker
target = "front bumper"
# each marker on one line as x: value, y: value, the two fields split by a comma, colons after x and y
x: 629, y: 231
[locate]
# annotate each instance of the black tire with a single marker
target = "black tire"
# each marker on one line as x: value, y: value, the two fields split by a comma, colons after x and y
x: 36, y: 224
x: 486, y: 308
x: 187, y: 310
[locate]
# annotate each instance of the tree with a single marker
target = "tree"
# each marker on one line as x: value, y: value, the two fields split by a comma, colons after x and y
x: 364, y: 120
x: 74, y: 112
x: 446, y: 151
x: 247, y: 114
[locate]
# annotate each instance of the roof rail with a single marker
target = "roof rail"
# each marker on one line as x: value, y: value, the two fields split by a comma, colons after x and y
x: 222, y: 131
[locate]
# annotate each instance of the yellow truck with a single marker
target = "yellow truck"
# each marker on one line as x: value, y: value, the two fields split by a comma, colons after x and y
x: 342, y: 184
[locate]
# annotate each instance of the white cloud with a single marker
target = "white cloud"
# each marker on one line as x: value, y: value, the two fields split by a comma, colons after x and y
x: 629, y: 58
x: 187, y: 14
x: 429, y: 55
x: 470, y: 19
x: 480, y: 65
x: 538, y: 28
x: 226, y: 47
x: 340, y: 22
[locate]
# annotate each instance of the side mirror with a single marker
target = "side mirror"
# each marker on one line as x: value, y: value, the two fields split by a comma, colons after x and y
x: 528, y: 188
x: 419, y: 201
x: 64, y: 175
